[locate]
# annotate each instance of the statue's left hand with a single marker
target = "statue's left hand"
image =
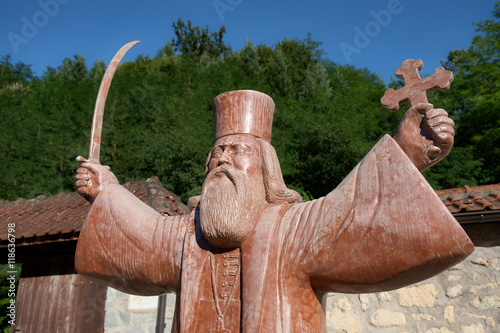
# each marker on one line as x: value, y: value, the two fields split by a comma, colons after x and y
x: 426, y: 135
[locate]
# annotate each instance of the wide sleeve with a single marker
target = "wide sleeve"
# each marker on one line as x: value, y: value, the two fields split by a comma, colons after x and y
x: 382, y: 228
x: 128, y: 245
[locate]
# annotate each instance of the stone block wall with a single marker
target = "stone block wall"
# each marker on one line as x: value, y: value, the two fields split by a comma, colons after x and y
x: 134, y: 314
x: 462, y: 299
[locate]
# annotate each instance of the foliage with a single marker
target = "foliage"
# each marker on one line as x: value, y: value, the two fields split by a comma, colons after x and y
x: 475, y: 97
x: 158, y: 118
x: 97, y: 71
x: 250, y: 60
x: 73, y: 70
x: 10, y: 73
x: 193, y: 41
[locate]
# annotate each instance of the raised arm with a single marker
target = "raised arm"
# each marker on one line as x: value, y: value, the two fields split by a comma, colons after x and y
x: 383, y: 227
x: 124, y: 242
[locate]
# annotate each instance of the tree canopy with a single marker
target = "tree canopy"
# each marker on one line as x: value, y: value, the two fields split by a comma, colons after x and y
x: 158, y: 118
x: 475, y: 98
x: 194, y: 42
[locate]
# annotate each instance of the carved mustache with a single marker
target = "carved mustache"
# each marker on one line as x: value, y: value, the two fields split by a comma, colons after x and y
x: 230, y: 174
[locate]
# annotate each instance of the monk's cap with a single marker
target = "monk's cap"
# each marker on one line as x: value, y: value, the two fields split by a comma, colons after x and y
x: 243, y: 112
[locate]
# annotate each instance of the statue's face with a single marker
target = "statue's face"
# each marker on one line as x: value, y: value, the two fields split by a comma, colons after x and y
x: 233, y: 193
x: 241, y: 152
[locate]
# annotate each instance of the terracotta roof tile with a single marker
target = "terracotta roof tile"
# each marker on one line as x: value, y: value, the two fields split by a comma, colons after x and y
x: 471, y: 199
x: 60, y: 217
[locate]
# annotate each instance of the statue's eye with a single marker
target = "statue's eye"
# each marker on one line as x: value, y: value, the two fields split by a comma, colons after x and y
x: 239, y: 149
x: 217, y: 152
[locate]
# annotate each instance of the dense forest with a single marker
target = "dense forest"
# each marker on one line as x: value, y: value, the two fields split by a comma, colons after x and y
x: 158, y: 118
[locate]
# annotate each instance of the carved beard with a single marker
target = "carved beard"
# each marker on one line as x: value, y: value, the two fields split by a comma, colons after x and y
x: 229, y: 206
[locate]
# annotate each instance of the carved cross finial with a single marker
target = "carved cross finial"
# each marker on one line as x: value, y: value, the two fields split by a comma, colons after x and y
x: 415, y: 89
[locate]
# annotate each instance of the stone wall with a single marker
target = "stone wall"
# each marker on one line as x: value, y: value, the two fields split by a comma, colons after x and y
x: 463, y: 299
x: 134, y: 314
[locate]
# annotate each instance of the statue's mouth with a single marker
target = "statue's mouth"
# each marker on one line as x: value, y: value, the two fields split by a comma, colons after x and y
x: 218, y: 171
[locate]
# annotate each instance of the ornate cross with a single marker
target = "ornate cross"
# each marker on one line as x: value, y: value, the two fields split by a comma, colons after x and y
x: 415, y: 89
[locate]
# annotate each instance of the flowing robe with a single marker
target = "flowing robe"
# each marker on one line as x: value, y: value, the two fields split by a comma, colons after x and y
x: 382, y: 228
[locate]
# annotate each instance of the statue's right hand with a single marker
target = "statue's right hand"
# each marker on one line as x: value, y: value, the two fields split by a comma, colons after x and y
x: 91, y: 178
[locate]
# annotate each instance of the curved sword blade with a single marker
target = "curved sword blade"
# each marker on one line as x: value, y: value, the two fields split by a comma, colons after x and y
x: 95, y: 136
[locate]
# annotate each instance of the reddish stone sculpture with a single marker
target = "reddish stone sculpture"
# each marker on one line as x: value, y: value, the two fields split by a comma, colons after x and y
x: 252, y: 257
x: 415, y: 89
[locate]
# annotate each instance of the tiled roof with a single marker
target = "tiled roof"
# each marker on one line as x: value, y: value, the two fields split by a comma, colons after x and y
x: 44, y: 218
x: 471, y: 199
x: 60, y: 217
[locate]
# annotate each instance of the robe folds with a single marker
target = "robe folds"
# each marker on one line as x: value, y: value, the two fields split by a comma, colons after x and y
x: 382, y: 228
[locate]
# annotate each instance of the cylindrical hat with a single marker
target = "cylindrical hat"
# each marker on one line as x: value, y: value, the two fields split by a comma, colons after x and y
x: 243, y: 112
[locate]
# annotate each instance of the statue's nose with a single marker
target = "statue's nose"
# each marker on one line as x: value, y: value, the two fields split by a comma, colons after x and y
x: 225, y: 158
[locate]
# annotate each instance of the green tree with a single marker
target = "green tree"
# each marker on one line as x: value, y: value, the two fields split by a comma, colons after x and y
x: 250, y: 59
x: 158, y: 118
x: 475, y: 96
x: 73, y: 70
x: 13, y: 73
x: 193, y: 41
x: 97, y: 71
x: 278, y: 78
x: 166, y: 52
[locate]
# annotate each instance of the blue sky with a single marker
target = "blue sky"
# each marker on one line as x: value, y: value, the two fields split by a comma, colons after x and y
x: 378, y: 35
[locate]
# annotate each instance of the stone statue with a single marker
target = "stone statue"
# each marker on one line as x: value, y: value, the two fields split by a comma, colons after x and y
x: 251, y: 256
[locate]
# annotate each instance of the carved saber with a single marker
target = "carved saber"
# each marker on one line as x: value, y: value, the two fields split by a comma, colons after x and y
x: 95, y: 136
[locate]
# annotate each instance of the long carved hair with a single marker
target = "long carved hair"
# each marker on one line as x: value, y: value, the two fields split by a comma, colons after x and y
x: 276, y: 190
